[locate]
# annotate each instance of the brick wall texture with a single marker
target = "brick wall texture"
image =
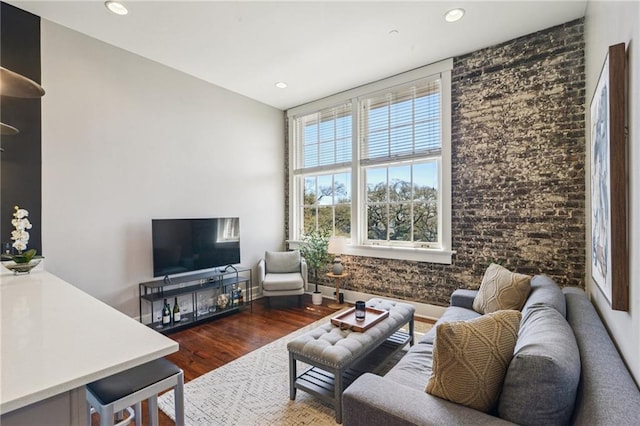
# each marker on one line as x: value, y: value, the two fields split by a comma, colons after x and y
x: 518, y: 172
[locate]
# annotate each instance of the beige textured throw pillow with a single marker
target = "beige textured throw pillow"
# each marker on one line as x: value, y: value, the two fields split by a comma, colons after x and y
x: 470, y: 359
x: 501, y: 289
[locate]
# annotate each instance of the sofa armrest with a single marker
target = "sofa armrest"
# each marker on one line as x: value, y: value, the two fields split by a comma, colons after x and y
x: 373, y: 400
x: 607, y: 394
x: 463, y: 298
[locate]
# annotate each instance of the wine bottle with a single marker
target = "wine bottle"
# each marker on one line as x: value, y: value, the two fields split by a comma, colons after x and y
x: 176, y: 311
x: 166, y: 313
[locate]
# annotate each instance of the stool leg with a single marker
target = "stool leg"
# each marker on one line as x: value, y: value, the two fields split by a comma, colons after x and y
x: 106, y: 415
x: 178, y: 397
x: 153, y: 410
x: 137, y: 412
x: 88, y: 414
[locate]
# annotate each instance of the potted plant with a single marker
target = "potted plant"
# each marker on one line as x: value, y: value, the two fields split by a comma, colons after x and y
x: 314, y: 249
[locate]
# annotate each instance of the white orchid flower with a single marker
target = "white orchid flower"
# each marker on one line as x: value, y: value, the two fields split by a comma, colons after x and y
x: 20, y: 213
x: 21, y: 223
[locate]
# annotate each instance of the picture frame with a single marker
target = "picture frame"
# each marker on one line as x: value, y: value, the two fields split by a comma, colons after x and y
x: 609, y: 246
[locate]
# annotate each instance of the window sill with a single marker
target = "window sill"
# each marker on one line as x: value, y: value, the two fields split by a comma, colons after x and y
x: 399, y: 253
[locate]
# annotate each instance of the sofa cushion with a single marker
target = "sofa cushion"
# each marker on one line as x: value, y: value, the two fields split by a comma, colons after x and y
x: 546, y: 292
x: 452, y: 313
x: 470, y: 358
x: 501, y: 289
x: 414, y: 368
x: 542, y: 380
x: 282, y: 262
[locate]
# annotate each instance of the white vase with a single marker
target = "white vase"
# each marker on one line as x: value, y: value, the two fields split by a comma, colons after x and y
x: 316, y: 298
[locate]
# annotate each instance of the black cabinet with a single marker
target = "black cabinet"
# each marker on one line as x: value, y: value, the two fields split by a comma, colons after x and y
x: 201, y: 297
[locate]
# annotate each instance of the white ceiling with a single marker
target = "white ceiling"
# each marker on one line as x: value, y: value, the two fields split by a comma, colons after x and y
x: 318, y: 48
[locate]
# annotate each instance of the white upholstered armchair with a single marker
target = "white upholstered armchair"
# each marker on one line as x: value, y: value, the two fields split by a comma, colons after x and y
x: 282, y: 274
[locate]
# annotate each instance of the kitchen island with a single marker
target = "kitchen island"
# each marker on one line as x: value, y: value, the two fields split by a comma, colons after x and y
x: 55, y: 339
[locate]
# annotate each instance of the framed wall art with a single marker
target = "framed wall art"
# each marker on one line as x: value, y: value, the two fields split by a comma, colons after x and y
x: 609, y: 250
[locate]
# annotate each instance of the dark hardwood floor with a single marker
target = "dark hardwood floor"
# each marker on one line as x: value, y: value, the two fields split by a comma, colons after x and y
x: 210, y: 345
x: 215, y: 343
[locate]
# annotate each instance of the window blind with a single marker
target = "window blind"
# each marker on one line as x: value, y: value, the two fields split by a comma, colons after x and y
x: 403, y: 124
x: 324, y: 139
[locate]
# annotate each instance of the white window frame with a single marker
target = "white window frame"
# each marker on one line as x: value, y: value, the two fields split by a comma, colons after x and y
x: 441, y: 254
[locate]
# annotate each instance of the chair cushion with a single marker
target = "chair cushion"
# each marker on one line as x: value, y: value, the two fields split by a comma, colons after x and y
x: 501, y: 289
x: 470, y: 359
x: 283, y: 282
x: 542, y: 380
x: 279, y: 262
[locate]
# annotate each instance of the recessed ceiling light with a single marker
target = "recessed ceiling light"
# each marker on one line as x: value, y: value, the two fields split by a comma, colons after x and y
x: 454, y: 15
x: 116, y: 7
x: 281, y: 85
x: 394, y: 32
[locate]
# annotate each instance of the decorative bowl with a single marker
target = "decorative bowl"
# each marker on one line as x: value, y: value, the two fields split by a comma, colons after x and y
x: 21, y: 268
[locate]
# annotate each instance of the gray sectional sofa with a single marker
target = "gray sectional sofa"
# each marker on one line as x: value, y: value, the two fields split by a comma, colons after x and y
x: 565, y: 370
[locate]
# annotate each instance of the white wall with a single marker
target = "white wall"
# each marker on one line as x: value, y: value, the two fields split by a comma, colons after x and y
x: 125, y: 140
x: 609, y: 23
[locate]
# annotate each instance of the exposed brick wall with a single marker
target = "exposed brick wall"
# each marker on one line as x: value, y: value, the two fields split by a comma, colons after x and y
x: 518, y: 156
x: 518, y: 178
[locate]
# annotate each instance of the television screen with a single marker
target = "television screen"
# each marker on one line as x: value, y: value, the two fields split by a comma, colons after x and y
x: 186, y: 245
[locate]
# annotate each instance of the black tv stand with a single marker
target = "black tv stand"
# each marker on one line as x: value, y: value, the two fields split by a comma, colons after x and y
x: 197, y: 296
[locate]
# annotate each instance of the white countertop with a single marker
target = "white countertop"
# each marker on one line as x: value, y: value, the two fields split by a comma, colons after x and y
x: 56, y: 338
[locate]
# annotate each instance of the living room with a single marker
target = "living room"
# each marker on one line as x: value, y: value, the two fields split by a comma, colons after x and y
x: 126, y: 140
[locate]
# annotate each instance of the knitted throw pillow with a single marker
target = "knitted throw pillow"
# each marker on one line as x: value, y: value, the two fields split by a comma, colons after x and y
x: 470, y: 359
x: 501, y: 289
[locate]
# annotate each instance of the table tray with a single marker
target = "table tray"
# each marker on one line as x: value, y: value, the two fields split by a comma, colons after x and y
x: 347, y: 319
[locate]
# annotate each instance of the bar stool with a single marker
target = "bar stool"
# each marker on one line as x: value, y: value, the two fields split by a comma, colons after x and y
x: 129, y: 388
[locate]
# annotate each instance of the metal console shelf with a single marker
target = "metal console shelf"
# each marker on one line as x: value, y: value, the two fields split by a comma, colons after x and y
x: 197, y: 296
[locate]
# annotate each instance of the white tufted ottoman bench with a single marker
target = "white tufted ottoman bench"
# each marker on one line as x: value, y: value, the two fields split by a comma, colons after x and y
x: 339, y: 356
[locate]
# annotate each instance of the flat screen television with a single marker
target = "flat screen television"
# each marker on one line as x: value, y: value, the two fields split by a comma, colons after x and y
x: 186, y: 245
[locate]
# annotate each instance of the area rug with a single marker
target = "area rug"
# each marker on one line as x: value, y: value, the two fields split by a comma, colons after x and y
x: 253, y: 390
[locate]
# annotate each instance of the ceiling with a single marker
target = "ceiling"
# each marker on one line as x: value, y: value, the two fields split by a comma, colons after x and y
x: 317, y: 48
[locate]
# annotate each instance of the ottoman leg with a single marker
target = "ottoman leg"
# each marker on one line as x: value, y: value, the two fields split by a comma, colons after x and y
x: 292, y: 377
x: 337, y: 395
x: 411, y: 325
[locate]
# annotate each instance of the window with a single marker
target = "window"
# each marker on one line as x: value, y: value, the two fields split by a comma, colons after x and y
x: 324, y: 169
x: 400, y: 156
x: 374, y: 164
